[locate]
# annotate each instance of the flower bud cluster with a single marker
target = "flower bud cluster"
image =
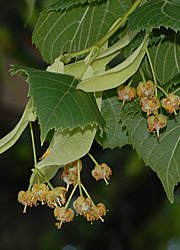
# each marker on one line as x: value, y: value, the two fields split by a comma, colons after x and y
x: 171, y: 103
x: 63, y: 215
x: 56, y: 197
x: 41, y: 193
x: 126, y: 93
x: 102, y: 171
x: 150, y: 104
x: 70, y: 172
x: 85, y: 207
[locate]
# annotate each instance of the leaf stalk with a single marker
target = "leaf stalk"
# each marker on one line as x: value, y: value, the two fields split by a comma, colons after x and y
x: 33, y: 144
x: 112, y: 30
x: 152, y: 69
x: 121, y: 21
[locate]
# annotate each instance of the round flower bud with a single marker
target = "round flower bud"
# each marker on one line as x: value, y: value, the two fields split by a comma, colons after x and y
x: 145, y: 89
x: 82, y: 205
x: 102, y: 171
x: 27, y: 199
x: 155, y: 123
x: 64, y: 215
x: 171, y: 103
x: 67, y: 57
x: 70, y: 172
x: 150, y: 105
x: 40, y: 191
x: 126, y: 93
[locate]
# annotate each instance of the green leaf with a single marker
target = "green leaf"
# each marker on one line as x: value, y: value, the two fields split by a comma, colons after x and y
x: 58, y: 103
x: 68, y: 146
x: 76, y: 29
x: 154, y: 14
x: 118, y: 75
x: 66, y: 4
x: 163, y: 159
x: 165, y: 58
x: 176, y: 2
x: 11, y: 138
x: 114, y: 134
x: 173, y: 84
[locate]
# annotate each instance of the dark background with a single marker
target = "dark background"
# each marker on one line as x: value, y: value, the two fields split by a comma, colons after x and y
x: 139, y: 217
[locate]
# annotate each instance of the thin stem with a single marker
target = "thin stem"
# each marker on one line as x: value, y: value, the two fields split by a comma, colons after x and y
x: 81, y: 52
x: 107, y: 183
x: 87, y: 194
x: 129, y: 84
x: 159, y: 87
x: 71, y: 195
x: 142, y: 74
x: 79, y: 179
x: 176, y: 91
x: 152, y: 69
x: 118, y: 24
x: 33, y: 144
x: 44, y: 177
x: 90, y: 58
x: 123, y: 103
x: 92, y: 158
x: 31, y: 182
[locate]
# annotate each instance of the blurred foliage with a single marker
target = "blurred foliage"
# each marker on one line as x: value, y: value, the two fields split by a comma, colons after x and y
x: 139, y: 217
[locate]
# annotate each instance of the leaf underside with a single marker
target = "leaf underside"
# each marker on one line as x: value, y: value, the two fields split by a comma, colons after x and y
x: 76, y: 29
x: 66, y: 4
x: 163, y: 159
x: 154, y: 14
x: 165, y: 58
x: 68, y: 146
x: 114, y: 134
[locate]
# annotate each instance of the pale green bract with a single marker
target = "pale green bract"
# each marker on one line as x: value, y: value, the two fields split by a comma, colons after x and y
x: 64, y: 148
x: 68, y: 146
x: 11, y: 138
x: 118, y: 75
x: 99, y: 64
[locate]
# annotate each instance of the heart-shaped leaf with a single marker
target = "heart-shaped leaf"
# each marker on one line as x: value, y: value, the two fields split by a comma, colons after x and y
x: 58, y: 103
